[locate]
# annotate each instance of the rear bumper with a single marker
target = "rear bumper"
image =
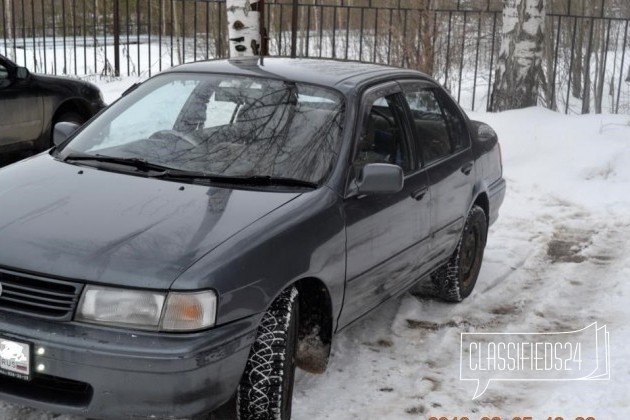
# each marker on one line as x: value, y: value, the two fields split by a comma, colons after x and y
x: 117, y: 374
x: 496, y: 195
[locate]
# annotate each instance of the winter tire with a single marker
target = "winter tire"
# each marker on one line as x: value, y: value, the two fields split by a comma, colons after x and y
x: 455, y: 280
x: 266, y: 388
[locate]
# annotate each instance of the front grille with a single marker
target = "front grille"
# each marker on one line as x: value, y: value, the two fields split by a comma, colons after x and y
x: 40, y: 296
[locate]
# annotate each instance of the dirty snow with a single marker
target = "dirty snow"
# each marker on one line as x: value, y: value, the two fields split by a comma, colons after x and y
x: 557, y: 260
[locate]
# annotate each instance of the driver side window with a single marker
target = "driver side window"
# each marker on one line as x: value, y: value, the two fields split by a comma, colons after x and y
x: 382, y: 139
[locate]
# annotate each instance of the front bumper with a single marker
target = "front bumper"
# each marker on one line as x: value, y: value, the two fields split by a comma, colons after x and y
x: 108, y: 373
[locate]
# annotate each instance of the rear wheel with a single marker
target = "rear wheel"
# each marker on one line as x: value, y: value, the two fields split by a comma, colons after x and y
x: 455, y: 280
x: 266, y: 388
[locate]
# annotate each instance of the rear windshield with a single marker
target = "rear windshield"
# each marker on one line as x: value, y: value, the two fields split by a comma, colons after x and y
x: 222, y: 125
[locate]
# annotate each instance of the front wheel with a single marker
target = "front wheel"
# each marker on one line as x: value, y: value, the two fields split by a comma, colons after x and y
x: 266, y: 388
x: 455, y: 280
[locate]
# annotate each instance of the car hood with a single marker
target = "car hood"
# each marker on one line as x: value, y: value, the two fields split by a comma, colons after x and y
x: 82, y: 223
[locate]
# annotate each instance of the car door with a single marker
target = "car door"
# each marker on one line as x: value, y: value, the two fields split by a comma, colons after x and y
x: 444, y: 142
x: 387, y: 235
x: 21, y: 107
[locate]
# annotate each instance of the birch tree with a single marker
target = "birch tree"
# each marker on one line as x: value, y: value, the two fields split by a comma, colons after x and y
x: 519, y: 68
x: 243, y: 18
x: 9, y: 29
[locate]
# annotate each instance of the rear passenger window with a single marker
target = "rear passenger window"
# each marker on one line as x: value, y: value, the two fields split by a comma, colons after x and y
x: 455, y: 122
x: 430, y: 123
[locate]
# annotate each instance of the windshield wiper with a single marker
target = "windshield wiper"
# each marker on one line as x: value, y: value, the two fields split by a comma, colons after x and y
x: 140, y: 164
x: 256, y: 180
x: 166, y: 172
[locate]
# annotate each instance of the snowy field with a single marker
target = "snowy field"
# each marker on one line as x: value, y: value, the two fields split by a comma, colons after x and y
x: 557, y: 260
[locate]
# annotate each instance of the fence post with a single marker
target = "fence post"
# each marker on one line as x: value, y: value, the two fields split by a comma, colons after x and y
x: 264, y: 32
x: 117, y: 38
x: 294, y: 29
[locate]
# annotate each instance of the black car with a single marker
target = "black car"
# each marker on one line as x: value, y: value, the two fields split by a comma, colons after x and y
x: 218, y: 224
x: 31, y: 104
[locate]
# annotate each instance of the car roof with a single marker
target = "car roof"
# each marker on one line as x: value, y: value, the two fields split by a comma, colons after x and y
x: 341, y: 75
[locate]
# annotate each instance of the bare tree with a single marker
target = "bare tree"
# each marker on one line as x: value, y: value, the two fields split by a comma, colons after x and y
x: 519, y: 68
x: 177, y: 32
x: 426, y: 59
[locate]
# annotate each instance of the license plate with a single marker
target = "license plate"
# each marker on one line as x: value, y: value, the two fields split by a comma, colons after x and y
x: 15, y: 359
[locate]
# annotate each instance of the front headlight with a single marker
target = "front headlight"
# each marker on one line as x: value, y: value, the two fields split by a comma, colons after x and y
x: 147, y: 310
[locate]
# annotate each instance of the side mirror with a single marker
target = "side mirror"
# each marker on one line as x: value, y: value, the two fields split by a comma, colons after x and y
x: 380, y: 178
x: 63, y: 131
x: 484, y: 132
x: 22, y: 73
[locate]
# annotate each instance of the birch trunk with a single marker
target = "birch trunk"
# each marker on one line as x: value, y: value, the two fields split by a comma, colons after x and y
x: 243, y: 17
x: 519, y: 68
x: 9, y: 28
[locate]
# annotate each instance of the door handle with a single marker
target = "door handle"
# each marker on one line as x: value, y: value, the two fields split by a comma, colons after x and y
x: 467, y: 168
x: 419, y: 193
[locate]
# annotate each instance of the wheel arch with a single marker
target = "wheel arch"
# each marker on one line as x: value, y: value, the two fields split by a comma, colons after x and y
x: 78, y: 105
x: 315, y: 328
x: 482, y: 201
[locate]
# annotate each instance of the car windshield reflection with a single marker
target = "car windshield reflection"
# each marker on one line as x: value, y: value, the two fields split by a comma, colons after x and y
x: 222, y: 125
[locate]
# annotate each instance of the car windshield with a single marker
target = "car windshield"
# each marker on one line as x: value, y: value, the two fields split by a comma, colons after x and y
x: 221, y: 125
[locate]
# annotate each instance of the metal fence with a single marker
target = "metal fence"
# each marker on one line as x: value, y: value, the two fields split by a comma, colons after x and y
x: 456, y: 41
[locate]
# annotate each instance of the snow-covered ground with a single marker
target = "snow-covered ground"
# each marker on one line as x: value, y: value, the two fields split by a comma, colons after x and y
x: 558, y: 259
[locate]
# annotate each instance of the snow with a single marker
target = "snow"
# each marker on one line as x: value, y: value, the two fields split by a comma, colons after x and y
x: 557, y: 260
